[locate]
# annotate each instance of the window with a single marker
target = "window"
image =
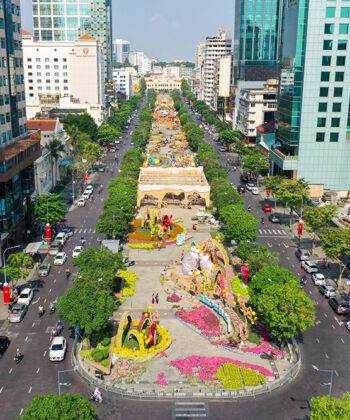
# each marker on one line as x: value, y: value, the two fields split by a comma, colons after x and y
x: 321, y: 122
x: 339, y: 76
x: 64, y: 60
x: 55, y: 60
x: 57, y: 88
x: 323, y: 92
x: 326, y: 60
x: 338, y: 92
x: 47, y: 74
x: 65, y: 81
x: 342, y: 45
x: 55, y: 67
x: 57, y: 81
x: 64, y: 67
x: 343, y: 28
x: 56, y: 74
x: 330, y: 12
x: 65, y: 74
x: 334, y: 137
x: 336, y: 107
x: 341, y: 60
x: 47, y: 67
x: 40, y: 88
x: 39, y: 81
x: 47, y: 60
x: 48, y: 87
x: 29, y: 59
x: 48, y: 81
x: 327, y: 44
x: 38, y: 60
x: 38, y: 73
x: 319, y: 136
x: 329, y: 28
x: 325, y: 76
x: 345, y: 12
x: 38, y: 67
x: 335, y: 122
x: 65, y: 88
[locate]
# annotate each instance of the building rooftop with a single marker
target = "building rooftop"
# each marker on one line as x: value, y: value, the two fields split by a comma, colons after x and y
x: 87, y: 37
x: 42, y: 125
x: 24, y: 32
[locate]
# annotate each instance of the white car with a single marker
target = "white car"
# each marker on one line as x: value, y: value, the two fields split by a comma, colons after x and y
x: 249, y: 186
x: 89, y: 188
x: 76, y: 251
x: 310, y: 266
x: 255, y: 190
x: 26, y: 296
x: 58, y: 349
x: 81, y: 202
x: 318, y: 279
x: 60, y: 259
x: 86, y: 194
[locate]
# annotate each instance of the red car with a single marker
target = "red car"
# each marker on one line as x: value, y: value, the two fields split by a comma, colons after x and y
x: 267, y: 208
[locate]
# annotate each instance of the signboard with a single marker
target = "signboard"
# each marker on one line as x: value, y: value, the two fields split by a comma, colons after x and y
x: 6, y: 292
x: 48, y: 233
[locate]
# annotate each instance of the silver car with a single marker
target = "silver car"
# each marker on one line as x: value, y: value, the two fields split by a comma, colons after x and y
x: 44, y: 270
x: 17, y: 312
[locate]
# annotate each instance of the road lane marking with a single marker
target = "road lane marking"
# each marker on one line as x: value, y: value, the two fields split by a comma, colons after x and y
x: 318, y: 322
x: 274, y: 232
x: 326, y: 356
x: 340, y: 323
x: 1, y: 389
x: 85, y: 229
x: 50, y: 290
x: 33, y: 303
x: 336, y: 373
x: 44, y: 353
x: 325, y: 314
x: 26, y: 338
x: 333, y: 327
x: 318, y: 340
x: 30, y: 390
x: 33, y: 324
x: 285, y: 245
x: 54, y: 281
x: 20, y: 413
x: 288, y: 258
x: 38, y: 370
x: 10, y: 371
x: 342, y: 341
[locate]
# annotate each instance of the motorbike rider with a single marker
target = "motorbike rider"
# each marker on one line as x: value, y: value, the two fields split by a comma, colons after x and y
x: 97, y: 395
x: 82, y: 240
x: 67, y: 271
x: 17, y: 355
x: 249, y: 207
x: 52, y: 306
x: 40, y: 309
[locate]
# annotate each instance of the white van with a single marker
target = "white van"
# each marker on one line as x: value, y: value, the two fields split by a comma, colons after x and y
x: 61, y: 238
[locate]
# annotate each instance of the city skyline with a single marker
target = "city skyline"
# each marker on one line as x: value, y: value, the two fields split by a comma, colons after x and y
x: 144, y: 25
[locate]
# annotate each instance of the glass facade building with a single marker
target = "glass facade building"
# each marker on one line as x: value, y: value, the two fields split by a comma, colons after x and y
x: 67, y: 20
x: 314, y: 124
x: 257, y: 38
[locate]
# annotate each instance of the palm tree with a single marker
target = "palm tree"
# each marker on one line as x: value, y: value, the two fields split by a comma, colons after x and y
x: 55, y: 147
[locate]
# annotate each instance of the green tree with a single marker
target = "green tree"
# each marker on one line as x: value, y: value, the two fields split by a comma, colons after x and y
x: 108, y: 133
x: 257, y: 256
x: 238, y: 224
x: 241, y: 148
x: 255, y: 163
x: 285, y: 309
x: 194, y: 138
x: 49, y: 208
x: 268, y: 276
x: 17, y: 267
x: 84, y: 123
x: 52, y: 407
x: 336, y: 244
x: 318, y: 218
x: 86, y: 306
x: 229, y: 136
x: 292, y: 193
x: 225, y: 197
x: 330, y: 408
x: 272, y: 183
x: 56, y: 148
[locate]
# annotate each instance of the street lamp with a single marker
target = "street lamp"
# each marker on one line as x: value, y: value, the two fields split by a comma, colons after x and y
x: 59, y: 384
x: 3, y: 256
x: 330, y: 384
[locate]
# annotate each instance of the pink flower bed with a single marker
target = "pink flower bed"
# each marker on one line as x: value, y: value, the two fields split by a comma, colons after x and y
x: 161, y: 380
x: 205, y: 368
x: 203, y: 319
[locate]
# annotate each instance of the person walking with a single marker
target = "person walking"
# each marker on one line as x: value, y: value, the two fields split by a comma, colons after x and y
x: 157, y: 298
x: 159, y: 246
x: 152, y: 298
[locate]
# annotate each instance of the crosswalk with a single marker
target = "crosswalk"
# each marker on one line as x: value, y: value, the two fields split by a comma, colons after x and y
x: 272, y: 232
x: 182, y: 410
x: 85, y: 230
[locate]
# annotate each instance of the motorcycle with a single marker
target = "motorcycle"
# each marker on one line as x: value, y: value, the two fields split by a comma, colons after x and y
x: 52, y: 309
x: 131, y: 263
x: 268, y: 356
x: 96, y: 398
x: 41, y: 312
x: 18, y: 358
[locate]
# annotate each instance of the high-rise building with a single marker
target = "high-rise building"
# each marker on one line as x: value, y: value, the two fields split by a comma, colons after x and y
x: 67, y: 20
x: 121, y: 50
x: 135, y: 57
x: 257, y: 38
x: 53, y: 71
x: 200, y: 51
x: 223, y: 84
x: 314, y: 116
x: 215, y: 47
x: 18, y: 148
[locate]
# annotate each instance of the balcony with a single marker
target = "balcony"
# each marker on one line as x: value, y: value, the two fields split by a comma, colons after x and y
x: 287, y: 163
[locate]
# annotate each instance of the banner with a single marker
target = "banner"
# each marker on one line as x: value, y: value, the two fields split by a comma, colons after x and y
x: 48, y: 233
x: 6, y: 292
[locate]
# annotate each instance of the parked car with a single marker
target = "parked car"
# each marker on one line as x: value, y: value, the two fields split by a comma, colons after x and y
x: 255, y: 191
x: 250, y: 185
x: 77, y: 251
x: 244, y: 178
x: 241, y: 189
x: 318, y: 279
x: 112, y: 150
x: 347, y: 324
x: 55, y: 248
x: 274, y: 218
x: 223, y: 149
x: 4, y: 343
x: 25, y: 296
x: 58, y: 349
x: 89, y: 188
x: 327, y: 291
x: 17, y: 312
x: 309, y: 266
x: 61, y: 238
x: 267, y: 208
x: 339, y: 306
x: 44, y: 270
x: 86, y: 195
x: 81, y: 202
x: 302, y: 254
x: 101, y: 168
x: 60, y: 259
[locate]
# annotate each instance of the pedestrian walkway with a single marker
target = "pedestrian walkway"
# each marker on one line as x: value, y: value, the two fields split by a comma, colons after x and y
x: 272, y: 232
x: 190, y: 410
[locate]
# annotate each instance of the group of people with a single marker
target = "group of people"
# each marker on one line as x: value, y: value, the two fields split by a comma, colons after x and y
x: 56, y: 330
x: 155, y: 298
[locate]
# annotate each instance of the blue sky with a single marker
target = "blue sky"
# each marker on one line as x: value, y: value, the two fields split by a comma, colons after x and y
x: 161, y: 28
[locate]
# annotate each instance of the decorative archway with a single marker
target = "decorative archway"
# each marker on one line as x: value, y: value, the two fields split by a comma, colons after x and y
x: 196, y: 199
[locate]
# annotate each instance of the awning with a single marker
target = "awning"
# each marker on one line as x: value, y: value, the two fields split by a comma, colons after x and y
x: 65, y: 162
x: 33, y: 247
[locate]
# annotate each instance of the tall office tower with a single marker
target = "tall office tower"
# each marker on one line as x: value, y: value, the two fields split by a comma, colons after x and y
x: 121, y: 50
x: 215, y: 47
x: 200, y: 51
x: 257, y: 38
x: 314, y: 115
x: 67, y: 20
x: 18, y: 148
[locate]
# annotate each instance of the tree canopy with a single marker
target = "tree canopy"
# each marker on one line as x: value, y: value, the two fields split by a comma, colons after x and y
x: 49, y: 207
x: 255, y: 163
x: 317, y: 218
x: 84, y: 124
x: 238, y: 224
x: 256, y: 256
x: 52, y: 407
x: 330, y: 408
